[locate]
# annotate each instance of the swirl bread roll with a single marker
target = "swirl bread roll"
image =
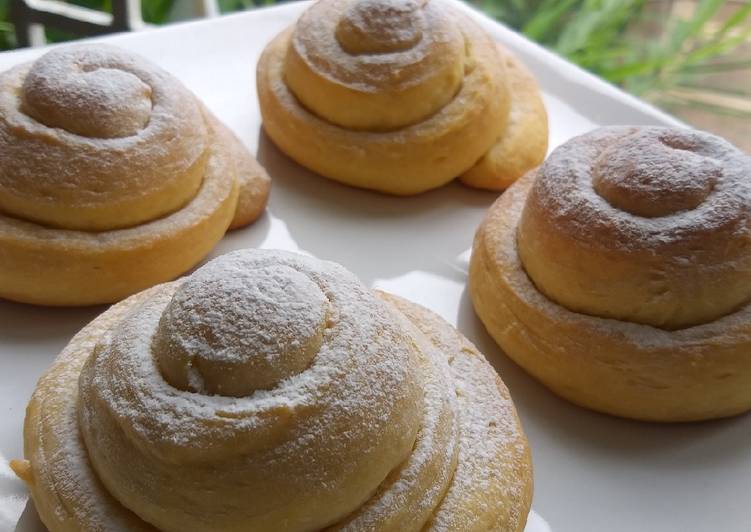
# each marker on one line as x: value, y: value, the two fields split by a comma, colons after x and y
x: 113, y: 177
x: 271, y: 391
x: 618, y: 274
x: 400, y: 96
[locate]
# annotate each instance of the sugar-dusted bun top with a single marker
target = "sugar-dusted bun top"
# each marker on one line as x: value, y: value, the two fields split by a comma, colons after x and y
x: 86, y: 92
x: 232, y: 330
x: 400, y: 61
x: 380, y: 26
x: 276, y: 382
x: 656, y: 173
x: 399, y: 96
x: 273, y: 391
x: 643, y: 224
x: 96, y: 138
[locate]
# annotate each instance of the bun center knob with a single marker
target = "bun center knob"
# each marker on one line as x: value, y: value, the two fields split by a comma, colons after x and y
x: 72, y: 90
x: 380, y: 26
x: 234, y: 331
x: 653, y: 175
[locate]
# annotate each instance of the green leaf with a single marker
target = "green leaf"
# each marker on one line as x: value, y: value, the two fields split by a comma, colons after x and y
x: 549, y: 15
x: 715, y: 89
x: 709, y: 68
x: 714, y: 49
x: 705, y: 10
x: 711, y: 108
x: 156, y: 11
x: 736, y: 19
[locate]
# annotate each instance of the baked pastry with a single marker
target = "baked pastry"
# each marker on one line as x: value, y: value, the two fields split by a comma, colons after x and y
x: 619, y: 274
x: 273, y: 391
x: 400, y: 96
x: 113, y: 177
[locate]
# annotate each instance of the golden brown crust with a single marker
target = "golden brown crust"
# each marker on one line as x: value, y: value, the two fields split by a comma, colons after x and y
x: 53, y: 445
x: 253, y: 181
x: 524, y: 143
x: 61, y: 267
x: 400, y: 122
x: 68, y: 138
x: 643, y: 224
x: 492, y: 486
x: 427, y: 394
x: 617, y: 367
x: 88, y: 219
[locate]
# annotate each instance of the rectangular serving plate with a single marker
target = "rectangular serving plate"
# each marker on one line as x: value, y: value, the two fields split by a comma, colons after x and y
x: 592, y: 472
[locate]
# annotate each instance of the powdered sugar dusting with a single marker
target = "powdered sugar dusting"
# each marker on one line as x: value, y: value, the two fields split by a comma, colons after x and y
x: 63, y: 476
x: 645, y: 175
x: 71, y: 121
x: 328, y: 430
x: 497, y: 238
x: 566, y: 190
x: 380, y: 26
x: 384, y: 378
x: 231, y: 331
x: 650, y: 225
x: 400, y: 59
x: 81, y: 93
x: 411, y: 493
x: 491, y: 486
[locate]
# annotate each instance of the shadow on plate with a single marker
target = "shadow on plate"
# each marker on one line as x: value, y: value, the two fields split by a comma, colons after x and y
x: 29, y: 520
x: 28, y: 323
x: 679, y: 446
x: 24, y: 323
x: 370, y: 233
x: 251, y: 236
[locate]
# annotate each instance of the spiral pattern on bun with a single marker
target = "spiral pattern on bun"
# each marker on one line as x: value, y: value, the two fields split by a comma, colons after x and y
x: 109, y: 167
x: 618, y: 274
x: 399, y: 96
x: 273, y: 391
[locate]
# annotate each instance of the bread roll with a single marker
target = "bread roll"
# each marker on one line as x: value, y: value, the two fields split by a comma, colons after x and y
x: 113, y: 177
x: 271, y: 391
x: 400, y: 96
x: 618, y: 273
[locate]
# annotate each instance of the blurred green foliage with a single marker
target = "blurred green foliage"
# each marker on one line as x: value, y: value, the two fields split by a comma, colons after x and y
x: 632, y: 43
x: 7, y: 35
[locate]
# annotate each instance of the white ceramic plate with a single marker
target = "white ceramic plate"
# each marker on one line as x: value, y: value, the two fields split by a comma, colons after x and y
x: 592, y: 472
